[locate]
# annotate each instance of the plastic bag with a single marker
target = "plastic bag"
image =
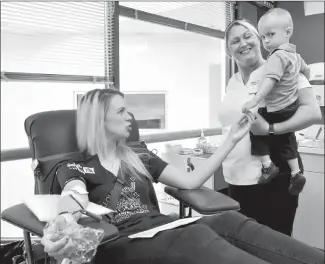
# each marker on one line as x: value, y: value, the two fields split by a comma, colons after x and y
x: 86, y: 239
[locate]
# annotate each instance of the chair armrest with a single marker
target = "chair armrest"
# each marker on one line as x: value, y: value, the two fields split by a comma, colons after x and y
x: 204, y: 200
x: 19, y: 215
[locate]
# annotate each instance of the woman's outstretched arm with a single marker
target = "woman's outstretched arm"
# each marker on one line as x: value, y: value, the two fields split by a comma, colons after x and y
x: 175, y: 177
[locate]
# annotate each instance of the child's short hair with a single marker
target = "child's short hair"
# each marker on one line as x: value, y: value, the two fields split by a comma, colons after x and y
x: 280, y: 12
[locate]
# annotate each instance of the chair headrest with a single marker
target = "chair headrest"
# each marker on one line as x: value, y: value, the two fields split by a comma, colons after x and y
x: 54, y: 132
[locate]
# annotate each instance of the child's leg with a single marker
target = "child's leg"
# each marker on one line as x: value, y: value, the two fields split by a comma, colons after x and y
x: 266, y: 161
x: 260, y: 148
x: 290, y: 152
x: 297, y: 181
x: 294, y: 166
x: 269, y: 170
x: 288, y: 147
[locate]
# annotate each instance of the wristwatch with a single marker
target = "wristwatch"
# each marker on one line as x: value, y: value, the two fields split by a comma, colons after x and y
x: 271, y: 129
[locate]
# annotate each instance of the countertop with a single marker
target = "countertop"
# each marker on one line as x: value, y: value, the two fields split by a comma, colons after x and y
x: 310, y: 146
x: 308, y: 150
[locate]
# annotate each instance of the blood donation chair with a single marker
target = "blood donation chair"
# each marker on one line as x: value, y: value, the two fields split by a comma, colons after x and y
x: 54, y: 133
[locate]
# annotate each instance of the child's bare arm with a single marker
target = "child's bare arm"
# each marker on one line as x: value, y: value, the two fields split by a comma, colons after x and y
x: 275, y: 67
x: 264, y: 89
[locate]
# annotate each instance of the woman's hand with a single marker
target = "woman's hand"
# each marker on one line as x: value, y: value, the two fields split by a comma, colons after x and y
x: 260, y: 126
x: 62, y: 247
x: 242, y: 126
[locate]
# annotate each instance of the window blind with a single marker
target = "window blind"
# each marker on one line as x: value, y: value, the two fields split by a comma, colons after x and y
x: 213, y: 15
x: 57, y: 38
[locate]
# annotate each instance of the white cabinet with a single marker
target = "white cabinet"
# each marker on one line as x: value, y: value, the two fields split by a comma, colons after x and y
x: 309, y: 221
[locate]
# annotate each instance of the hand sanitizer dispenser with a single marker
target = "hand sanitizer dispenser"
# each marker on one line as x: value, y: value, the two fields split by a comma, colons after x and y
x: 202, y: 140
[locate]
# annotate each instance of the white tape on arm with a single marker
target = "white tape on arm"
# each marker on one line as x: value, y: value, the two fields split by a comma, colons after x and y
x: 69, y: 218
x: 74, y: 190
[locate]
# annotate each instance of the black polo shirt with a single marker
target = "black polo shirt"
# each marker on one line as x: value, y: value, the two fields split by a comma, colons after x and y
x: 137, y: 207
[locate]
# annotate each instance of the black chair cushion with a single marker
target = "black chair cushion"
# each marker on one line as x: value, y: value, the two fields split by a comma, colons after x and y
x: 50, y: 133
x: 54, y: 132
x: 204, y: 201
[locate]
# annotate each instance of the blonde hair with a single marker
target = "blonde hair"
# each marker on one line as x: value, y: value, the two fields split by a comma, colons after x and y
x: 240, y: 22
x: 283, y: 13
x: 91, y: 134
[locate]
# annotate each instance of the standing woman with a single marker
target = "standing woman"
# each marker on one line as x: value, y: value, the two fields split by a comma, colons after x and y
x: 269, y: 204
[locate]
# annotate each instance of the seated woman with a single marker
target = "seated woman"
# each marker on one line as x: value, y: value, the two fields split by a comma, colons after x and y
x: 103, y: 124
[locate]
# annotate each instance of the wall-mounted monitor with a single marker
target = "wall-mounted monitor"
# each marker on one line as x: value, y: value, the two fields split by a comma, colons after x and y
x: 148, y: 107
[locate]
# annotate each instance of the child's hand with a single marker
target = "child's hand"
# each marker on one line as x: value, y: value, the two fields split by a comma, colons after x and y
x: 249, y: 105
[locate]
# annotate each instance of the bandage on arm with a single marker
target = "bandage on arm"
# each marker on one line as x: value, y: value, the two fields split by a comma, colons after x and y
x: 74, y: 197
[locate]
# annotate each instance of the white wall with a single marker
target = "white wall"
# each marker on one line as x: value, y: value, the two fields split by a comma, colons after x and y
x: 182, y: 64
x: 21, y: 99
x: 178, y: 65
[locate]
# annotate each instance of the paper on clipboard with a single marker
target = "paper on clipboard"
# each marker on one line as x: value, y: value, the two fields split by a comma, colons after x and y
x: 152, y: 232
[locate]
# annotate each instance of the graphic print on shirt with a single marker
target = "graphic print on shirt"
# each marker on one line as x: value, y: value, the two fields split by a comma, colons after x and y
x: 129, y: 203
x: 78, y: 167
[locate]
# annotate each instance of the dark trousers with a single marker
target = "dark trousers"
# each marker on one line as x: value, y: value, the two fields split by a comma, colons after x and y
x: 269, y: 204
x: 227, y: 238
x: 261, y: 144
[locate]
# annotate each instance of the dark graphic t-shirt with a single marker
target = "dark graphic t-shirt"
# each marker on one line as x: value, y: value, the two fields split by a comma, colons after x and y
x: 137, y: 207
